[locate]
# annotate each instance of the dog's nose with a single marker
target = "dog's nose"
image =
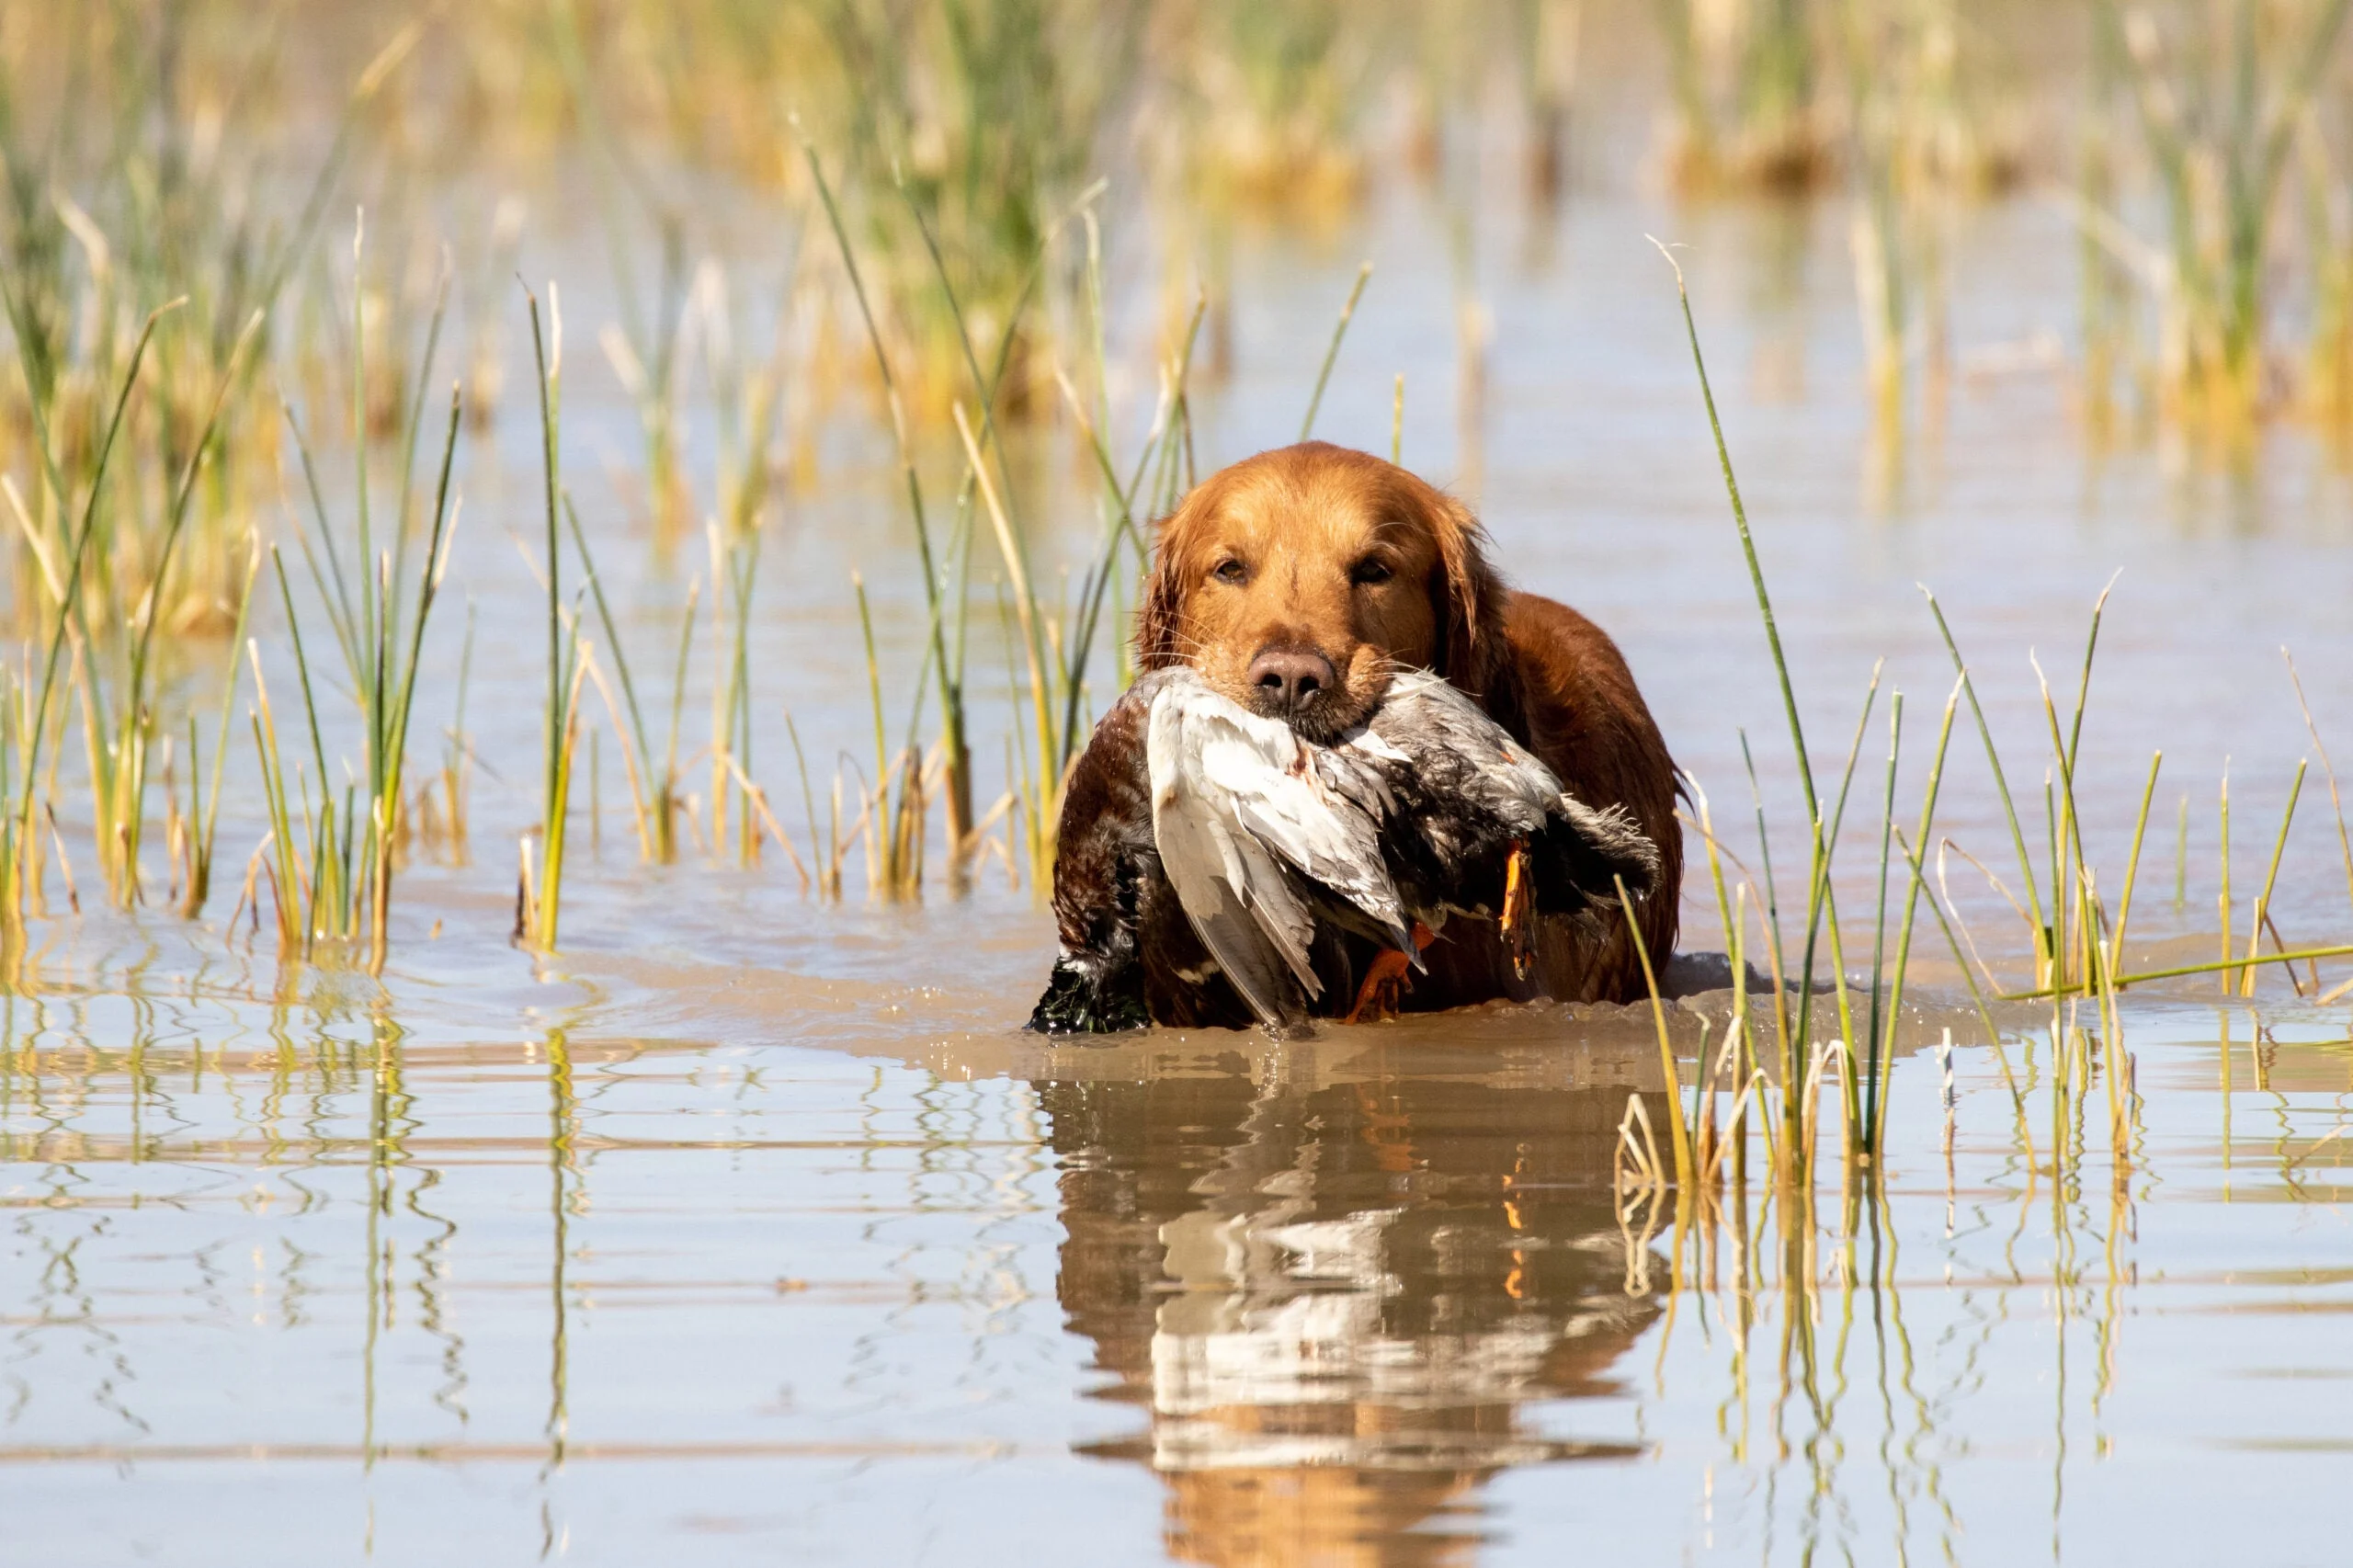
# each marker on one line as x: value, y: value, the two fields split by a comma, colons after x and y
x: 1287, y: 679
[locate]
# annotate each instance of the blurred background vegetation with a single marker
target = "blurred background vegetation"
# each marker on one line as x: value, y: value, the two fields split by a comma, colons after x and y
x: 328, y: 203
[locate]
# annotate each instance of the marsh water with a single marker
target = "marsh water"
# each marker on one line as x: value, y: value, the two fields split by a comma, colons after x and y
x: 749, y: 1227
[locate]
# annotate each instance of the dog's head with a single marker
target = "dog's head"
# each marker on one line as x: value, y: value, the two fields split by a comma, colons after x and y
x: 1297, y: 581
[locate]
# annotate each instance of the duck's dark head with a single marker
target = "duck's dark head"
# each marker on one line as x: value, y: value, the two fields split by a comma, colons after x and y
x: 1298, y: 581
x: 1089, y: 994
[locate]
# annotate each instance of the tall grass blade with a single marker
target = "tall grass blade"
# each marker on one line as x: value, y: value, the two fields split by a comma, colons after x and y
x: 1331, y: 353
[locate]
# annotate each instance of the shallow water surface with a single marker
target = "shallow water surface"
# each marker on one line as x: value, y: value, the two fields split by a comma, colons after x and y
x: 750, y: 1229
x: 328, y: 1292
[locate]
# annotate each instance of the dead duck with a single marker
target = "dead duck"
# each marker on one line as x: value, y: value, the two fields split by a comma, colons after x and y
x: 1215, y: 869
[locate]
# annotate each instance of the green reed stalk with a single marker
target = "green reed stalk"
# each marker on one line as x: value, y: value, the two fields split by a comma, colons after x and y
x: 2083, y: 948
x: 1792, y: 1051
x: 121, y: 822
x: 2066, y: 848
x: 1684, y: 1167
x: 1331, y: 353
x: 734, y: 566
x: 1065, y: 658
x: 1952, y: 942
x: 650, y: 815
x: 2115, y: 961
x: 381, y: 632
x: 343, y: 615
x: 2271, y: 881
x: 411, y: 432
x: 880, y: 800
x: 2120, y: 1074
x: 2181, y: 854
x: 985, y: 390
x: 17, y: 847
x: 1030, y: 616
x: 290, y: 889
x: 389, y: 724
x: 669, y: 801
x: 2046, y: 944
x: 368, y: 607
x: 564, y: 667
x: 951, y: 685
x: 1742, y: 1046
x: 2084, y: 687
x: 1818, y: 896
x: 325, y: 912
x: 1121, y: 515
x: 2226, y: 966
x: 1822, y: 921
x: 1049, y: 669
x: 2024, y: 1127
x: 1869, y: 1121
x: 1027, y: 788
x: 828, y: 886
x: 1078, y: 640
x: 903, y: 853
x: 1882, y: 1040
x: 456, y: 750
x: 209, y: 811
x: 1731, y: 912
x: 383, y: 672
x: 1771, y: 911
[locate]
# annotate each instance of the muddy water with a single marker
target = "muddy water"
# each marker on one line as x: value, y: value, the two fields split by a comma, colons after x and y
x: 751, y: 1228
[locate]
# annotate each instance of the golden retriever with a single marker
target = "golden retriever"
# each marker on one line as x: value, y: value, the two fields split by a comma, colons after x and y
x: 1298, y: 580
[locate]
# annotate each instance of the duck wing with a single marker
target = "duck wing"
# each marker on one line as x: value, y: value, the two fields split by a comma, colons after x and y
x: 1267, y: 776
x: 1466, y: 793
x: 1255, y: 847
x: 1239, y: 906
x: 1234, y: 893
x: 1457, y: 750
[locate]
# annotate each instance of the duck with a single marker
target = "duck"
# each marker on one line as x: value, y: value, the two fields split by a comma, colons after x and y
x: 1216, y: 867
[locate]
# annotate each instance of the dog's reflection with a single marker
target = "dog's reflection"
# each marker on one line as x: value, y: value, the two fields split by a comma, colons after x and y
x: 1334, y: 1302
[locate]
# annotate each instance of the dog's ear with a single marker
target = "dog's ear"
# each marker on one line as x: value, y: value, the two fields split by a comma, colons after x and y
x: 1469, y: 597
x: 1161, y: 613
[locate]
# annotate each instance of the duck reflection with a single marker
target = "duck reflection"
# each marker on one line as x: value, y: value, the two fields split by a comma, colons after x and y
x: 1335, y: 1300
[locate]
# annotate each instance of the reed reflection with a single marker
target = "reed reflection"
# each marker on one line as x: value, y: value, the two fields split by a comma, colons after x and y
x: 1335, y: 1300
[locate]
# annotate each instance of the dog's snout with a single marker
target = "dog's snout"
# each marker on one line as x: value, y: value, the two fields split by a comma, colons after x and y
x: 1288, y: 680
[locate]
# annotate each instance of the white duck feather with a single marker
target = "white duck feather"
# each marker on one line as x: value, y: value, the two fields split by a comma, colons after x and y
x: 1238, y: 803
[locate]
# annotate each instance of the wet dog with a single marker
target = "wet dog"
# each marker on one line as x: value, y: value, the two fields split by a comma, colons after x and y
x: 1297, y: 582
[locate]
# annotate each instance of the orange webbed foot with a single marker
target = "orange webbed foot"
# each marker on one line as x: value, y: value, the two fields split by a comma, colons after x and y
x: 1386, y: 981
x: 1518, y: 919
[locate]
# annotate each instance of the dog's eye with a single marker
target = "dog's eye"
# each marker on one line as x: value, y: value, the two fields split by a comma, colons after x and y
x: 1230, y: 572
x: 1371, y: 571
